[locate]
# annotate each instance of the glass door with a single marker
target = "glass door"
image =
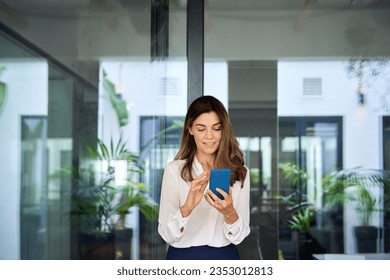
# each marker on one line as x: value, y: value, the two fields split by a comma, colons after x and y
x: 309, y: 149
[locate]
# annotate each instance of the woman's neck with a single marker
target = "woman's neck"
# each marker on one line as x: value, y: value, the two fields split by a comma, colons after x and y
x: 207, y: 162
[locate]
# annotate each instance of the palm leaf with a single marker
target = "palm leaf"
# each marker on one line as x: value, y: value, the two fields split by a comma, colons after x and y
x: 364, y: 180
x: 116, y: 101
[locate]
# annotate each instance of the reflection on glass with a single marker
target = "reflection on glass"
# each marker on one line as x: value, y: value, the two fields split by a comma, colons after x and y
x: 33, y: 188
x: 311, y: 147
x: 260, y: 59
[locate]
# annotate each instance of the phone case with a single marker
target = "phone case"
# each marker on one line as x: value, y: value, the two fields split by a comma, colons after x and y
x: 220, y: 178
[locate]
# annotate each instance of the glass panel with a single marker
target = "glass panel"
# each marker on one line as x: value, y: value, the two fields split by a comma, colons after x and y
x: 289, y: 146
x: 33, y: 187
x: 258, y: 156
x: 310, y: 152
x: 101, y: 72
x: 274, y: 64
x: 254, y: 120
x: 386, y: 143
x: 386, y: 166
x: 160, y: 141
x: 319, y: 149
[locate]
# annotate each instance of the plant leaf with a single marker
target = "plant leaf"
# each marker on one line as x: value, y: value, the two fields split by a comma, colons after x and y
x: 116, y: 101
x: 3, y: 95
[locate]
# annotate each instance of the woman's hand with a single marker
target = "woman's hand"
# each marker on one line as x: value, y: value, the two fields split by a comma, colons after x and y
x: 223, y: 206
x: 195, y: 195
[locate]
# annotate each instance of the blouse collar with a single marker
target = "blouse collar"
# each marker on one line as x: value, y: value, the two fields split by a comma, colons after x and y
x: 197, y: 166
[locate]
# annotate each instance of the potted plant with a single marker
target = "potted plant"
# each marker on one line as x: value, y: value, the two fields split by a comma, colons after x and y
x: 107, y: 191
x: 300, y: 212
x: 310, y: 235
x: 357, y: 185
x: 300, y: 224
x: 108, y: 188
x: 301, y: 221
x: 366, y: 234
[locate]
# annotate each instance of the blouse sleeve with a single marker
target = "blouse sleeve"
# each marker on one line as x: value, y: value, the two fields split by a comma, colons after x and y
x: 170, y: 219
x: 237, y: 231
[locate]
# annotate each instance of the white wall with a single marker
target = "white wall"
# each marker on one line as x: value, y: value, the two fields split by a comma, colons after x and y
x: 27, y: 82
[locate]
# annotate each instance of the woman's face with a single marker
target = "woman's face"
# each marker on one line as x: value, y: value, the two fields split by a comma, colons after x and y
x: 207, y: 132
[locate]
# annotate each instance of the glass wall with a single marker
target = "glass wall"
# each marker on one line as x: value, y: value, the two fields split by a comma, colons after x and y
x: 306, y: 85
x: 87, y: 91
x: 386, y: 166
x: 311, y: 78
x: 309, y: 146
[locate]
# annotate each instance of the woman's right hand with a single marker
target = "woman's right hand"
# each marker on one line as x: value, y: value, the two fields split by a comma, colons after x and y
x: 196, y: 193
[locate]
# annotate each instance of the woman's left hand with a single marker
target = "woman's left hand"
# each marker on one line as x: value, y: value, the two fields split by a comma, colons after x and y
x: 223, y: 206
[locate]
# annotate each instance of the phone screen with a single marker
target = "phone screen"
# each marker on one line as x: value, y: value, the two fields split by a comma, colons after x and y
x: 220, y: 178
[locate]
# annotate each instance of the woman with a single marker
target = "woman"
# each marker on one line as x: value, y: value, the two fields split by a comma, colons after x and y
x: 193, y: 220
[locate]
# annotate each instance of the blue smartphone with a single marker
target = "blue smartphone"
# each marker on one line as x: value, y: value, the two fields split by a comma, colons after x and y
x: 220, y: 178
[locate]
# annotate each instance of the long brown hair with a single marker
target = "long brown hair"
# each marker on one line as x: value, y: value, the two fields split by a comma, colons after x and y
x: 228, y: 154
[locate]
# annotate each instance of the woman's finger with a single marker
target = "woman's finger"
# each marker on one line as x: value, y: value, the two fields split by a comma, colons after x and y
x: 200, y: 182
x: 212, y: 195
x: 223, y: 193
x: 213, y: 202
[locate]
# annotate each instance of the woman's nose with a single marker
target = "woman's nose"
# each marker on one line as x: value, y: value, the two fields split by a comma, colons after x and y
x: 209, y: 134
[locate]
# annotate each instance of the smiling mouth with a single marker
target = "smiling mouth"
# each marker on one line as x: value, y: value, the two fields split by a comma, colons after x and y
x: 209, y: 144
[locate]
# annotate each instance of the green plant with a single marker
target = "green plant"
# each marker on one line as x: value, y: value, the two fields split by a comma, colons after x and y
x: 366, y: 206
x: 297, y: 178
x: 118, y: 104
x: 338, y: 190
x: 3, y: 90
x: 336, y: 186
x: 302, y: 220
x: 99, y: 198
x: 280, y: 255
x: 299, y: 209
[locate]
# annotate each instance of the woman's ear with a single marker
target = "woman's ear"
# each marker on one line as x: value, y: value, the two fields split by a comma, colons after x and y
x: 190, y: 131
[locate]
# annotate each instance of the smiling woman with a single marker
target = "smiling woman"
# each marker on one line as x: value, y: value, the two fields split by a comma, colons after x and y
x: 208, y: 142
x: 206, y: 131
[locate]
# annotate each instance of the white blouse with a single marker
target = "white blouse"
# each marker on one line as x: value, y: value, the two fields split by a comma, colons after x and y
x: 205, y: 225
